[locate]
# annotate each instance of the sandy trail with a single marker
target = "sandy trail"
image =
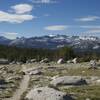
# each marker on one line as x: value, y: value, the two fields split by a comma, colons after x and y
x: 22, y: 88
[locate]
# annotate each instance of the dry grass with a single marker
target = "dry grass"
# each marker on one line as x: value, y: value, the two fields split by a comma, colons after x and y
x: 83, y: 92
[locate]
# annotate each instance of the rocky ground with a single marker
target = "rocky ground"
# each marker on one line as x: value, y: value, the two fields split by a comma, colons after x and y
x: 49, y: 81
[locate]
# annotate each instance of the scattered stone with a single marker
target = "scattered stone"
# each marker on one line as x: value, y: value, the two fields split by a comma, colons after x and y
x: 35, y: 72
x: 27, y: 71
x: 98, y: 81
x: 60, y: 61
x: 53, y: 78
x: 88, y: 99
x: 46, y: 60
x: 74, y: 60
x: 95, y: 80
x: 4, y: 61
x: 31, y: 61
x: 69, y: 61
x: 93, y: 64
x: 68, y: 80
x: 13, y: 62
x: 19, y: 63
x: 46, y: 93
x: 83, y: 71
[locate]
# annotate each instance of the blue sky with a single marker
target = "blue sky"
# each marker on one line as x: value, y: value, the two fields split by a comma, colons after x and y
x: 42, y: 17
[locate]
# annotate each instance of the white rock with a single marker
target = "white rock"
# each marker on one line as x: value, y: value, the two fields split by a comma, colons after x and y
x: 60, y: 61
x: 68, y: 80
x: 46, y: 93
x: 44, y: 60
x: 74, y: 60
x: 55, y: 77
x: 98, y: 81
x: 35, y: 72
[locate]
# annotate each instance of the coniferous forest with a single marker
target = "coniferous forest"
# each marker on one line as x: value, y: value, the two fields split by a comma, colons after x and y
x: 24, y: 54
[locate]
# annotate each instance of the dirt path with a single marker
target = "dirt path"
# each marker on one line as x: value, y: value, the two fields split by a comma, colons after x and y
x: 21, y: 89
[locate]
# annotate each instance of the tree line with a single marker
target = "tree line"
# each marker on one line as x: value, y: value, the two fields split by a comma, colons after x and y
x: 24, y: 54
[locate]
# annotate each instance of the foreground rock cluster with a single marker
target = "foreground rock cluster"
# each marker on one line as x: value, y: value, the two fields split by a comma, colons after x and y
x: 46, y: 93
x: 50, y: 81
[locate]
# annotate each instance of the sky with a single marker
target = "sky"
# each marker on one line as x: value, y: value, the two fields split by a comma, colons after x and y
x: 29, y: 18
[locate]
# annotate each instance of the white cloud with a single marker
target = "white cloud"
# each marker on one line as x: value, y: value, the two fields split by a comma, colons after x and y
x: 19, y: 13
x: 22, y: 8
x: 10, y: 35
x: 56, y: 27
x: 88, y: 18
x: 91, y: 26
x: 44, y: 1
x: 14, y: 18
x: 94, y: 31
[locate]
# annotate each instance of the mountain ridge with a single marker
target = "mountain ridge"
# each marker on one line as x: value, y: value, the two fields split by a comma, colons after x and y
x: 81, y: 43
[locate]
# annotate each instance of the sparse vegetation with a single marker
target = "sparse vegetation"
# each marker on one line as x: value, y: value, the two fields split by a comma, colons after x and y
x: 79, y: 92
x: 84, y: 92
x: 12, y: 80
x: 80, y: 69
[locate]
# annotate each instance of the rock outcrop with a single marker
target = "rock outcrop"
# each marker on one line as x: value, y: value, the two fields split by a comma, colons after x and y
x: 46, y: 93
x: 68, y: 80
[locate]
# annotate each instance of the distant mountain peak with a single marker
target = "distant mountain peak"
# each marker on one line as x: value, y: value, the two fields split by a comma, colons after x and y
x: 51, y: 41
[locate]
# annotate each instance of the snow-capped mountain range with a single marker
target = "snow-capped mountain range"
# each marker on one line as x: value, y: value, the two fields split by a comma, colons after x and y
x: 82, y: 43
